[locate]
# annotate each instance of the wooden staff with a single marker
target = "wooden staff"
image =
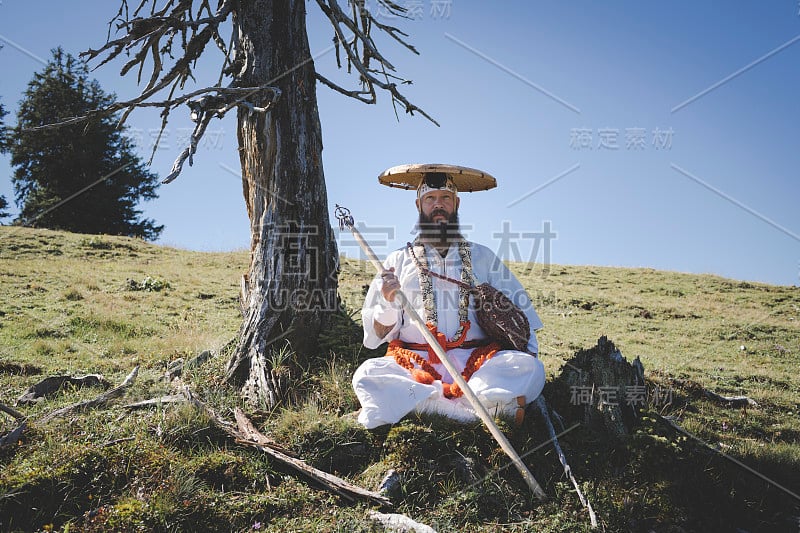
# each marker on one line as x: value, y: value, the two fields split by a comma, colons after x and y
x: 346, y: 220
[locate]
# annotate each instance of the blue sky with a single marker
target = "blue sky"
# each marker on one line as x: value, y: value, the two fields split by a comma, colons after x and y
x: 642, y: 134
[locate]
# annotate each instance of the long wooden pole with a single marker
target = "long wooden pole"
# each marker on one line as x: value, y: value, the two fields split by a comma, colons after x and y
x: 480, y: 410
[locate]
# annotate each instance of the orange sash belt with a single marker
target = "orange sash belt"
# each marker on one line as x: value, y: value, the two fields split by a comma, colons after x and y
x: 402, y: 353
x: 474, y: 343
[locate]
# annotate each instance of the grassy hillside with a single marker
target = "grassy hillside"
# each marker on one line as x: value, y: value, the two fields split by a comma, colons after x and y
x: 78, y: 304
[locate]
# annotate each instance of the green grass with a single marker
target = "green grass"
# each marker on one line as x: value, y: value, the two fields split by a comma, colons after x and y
x: 80, y: 304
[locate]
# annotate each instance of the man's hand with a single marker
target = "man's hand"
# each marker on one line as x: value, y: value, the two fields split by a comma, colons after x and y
x: 390, y: 285
x: 389, y: 288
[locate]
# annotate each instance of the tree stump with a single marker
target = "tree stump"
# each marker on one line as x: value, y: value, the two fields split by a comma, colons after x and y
x: 602, y: 390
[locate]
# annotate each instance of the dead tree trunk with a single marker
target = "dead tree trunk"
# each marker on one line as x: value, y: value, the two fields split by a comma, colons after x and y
x: 291, y: 283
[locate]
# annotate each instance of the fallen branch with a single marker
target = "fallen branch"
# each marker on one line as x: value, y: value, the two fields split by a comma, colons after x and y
x: 333, y: 483
x: 252, y: 435
x: 96, y: 402
x: 726, y: 401
x: 186, y: 397
x: 54, y: 384
x: 14, y: 435
x: 730, y: 401
x: 155, y: 402
x: 11, y: 411
x: 245, y: 433
x: 542, y: 405
x: 177, y: 367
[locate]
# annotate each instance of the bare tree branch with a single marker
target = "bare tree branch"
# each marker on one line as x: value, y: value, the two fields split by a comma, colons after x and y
x: 240, y: 94
x: 149, y: 39
x: 360, y: 60
x: 146, y: 28
x: 208, y: 107
x: 358, y: 95
x: 337, y: 16
x: 95, y: 402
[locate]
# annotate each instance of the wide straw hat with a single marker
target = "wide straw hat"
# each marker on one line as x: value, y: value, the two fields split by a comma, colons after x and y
x: 410, y: 176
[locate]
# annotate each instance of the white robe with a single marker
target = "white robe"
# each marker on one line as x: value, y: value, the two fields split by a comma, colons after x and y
x: 388, y: 392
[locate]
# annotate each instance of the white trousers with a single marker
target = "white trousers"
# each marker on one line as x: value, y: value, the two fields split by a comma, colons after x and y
x: 388, y: 392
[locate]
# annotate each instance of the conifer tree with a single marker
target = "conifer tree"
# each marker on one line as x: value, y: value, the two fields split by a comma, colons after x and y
x: 3, y: 148
x: 84, y: 177
x: 3, y: 133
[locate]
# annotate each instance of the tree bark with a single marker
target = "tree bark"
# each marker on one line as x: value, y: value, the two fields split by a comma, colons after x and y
x: 291, y: 283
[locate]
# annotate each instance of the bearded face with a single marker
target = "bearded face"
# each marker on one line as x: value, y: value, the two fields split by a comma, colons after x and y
x: 439, y: 232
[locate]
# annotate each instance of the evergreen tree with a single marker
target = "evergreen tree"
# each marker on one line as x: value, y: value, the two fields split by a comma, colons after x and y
x: 83, y: 177
x: 3, y: 132
x: 3, y: 148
